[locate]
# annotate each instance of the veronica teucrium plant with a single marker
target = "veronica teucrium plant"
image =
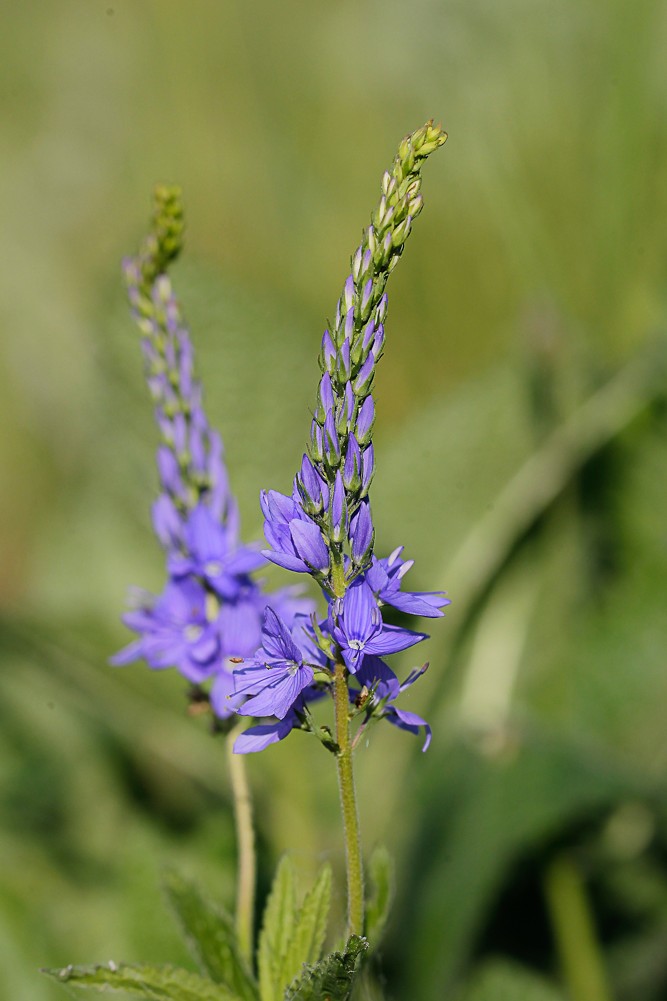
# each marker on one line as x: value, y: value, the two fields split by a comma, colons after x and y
x: 324, y: 528
x: 265, y: 658
x: 211, y: 610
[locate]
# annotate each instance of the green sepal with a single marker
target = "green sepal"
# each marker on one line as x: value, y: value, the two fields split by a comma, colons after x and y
x: 323, y: 640
x: 332, y: 978
x: 156, y: 983
x: 211, y: 937
x: 380, y: 872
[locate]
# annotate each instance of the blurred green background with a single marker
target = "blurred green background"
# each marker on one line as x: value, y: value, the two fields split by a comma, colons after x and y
x: 521, y: 453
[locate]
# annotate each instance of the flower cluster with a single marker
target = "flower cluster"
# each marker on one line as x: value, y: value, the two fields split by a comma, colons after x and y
x: 324, y: 528
x: 211, y: 610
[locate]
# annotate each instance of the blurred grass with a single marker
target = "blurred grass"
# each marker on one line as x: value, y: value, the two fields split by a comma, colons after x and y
x: 534, y: 276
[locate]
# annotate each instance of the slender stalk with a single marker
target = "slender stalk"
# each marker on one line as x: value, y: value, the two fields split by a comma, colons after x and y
x: 245, y: 841
x: 574, y: 930
x: 348, y: 802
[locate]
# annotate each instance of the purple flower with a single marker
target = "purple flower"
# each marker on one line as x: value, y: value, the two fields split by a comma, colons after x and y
x: 384, y: 578
x: 276, y: 675
x: 296, y: 541
x: 174, y: 631
x: 212, y: 553
x: 384, y: 686
x: 258, y: 738
x: 355, y: 622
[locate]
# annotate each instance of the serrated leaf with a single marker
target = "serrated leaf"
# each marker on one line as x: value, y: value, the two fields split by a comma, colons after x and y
x: 332, y: 979
x: 309, y: 928
x: 277, y: 931
x: 381, y: 880
x: 210, y: 934
x: 509, y: 982
x: 157, y: 983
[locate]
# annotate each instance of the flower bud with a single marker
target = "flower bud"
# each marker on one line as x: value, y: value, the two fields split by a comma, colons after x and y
x: 349, y: 324
x: 328, y: 353
x: 402, y: 232
x: 364, y: 379
x: 352, y: 466
x: 343, y: 364
x: 348, y: 294
x: 415, y: 205
x: 316, y: 442
x: 325, y: 398
x: 180, y: 439
x: 308, y: 485
x: 367, y: 469
x: 350, y: 403
x: 378, y: 342
x: 169, y: 472
x: 338, y: 510
x: 361, y: 534
x: 380, y: 314
x: 366, y: 300
x: 331, y: 442
x: 365, y: 421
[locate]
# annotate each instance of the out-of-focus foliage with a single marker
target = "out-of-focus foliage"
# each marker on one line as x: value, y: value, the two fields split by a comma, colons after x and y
x: 521, y: 455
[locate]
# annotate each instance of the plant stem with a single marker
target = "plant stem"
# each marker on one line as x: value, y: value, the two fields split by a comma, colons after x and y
x: 245, y: 841
x: 348, y: 802
x: 574, y: 930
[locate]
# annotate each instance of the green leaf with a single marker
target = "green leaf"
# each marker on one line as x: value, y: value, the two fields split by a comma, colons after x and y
x: 381, y: 880
x: 277, y: 931
x: 332, y: 978
x: 501, y: 981
x: 157, y: 983
x: 309, y: 929
x: 211, y: 937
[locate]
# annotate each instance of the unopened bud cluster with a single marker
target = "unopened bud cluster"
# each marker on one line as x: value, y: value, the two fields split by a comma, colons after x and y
x: 190, y: 459
x: 211, y: 610
x: 335, y: 476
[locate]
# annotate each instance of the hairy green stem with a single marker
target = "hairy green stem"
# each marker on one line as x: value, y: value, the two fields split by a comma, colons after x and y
x: 348, y: 802
x: 245, y: 840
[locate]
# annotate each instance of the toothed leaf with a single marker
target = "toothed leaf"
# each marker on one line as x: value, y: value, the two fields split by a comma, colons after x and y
x: 210, y: 934
x: 277, y: 931
x: 309, y: 928
x: 156, y: 983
